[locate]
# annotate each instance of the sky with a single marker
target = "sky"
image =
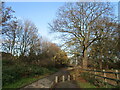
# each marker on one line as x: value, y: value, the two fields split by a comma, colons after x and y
x: 40, y: 13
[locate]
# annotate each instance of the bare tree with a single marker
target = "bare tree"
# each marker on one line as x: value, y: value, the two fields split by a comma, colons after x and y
x: 28, y: 36
x: 78, y: 23
x: 9, y: 39
x: 7, y: 17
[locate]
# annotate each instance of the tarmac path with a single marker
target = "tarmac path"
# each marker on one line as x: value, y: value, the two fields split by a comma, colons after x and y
x: 48, y: 81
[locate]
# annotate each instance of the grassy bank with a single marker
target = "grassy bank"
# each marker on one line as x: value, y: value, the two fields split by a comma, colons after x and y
x: 25, y: 81
x: 16, y: 75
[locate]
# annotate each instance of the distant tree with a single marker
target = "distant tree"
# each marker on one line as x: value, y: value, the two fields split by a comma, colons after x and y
x: 10, y: 38
x: 7, y: 17
x: 61, y: 58
x: 49, y: 49
x: 28, y: 36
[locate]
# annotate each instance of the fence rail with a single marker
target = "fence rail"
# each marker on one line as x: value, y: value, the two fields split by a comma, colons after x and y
x: 116, y: 73
x: 102, y: 71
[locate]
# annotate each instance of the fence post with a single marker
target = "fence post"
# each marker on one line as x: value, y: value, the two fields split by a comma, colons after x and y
x: 105, y: 80
x: 56, y: 79
x: 90, y: 73
x: 68, y: 77
x: 95, y: 73
x: 63, y: 78
x: 117, y: 77
x: 73, y: 77
x: 37, y: 83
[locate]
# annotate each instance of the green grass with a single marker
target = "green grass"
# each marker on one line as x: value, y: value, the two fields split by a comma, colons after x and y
x: 20, y: 83
x: 85, y: 85
x: 25, y: 81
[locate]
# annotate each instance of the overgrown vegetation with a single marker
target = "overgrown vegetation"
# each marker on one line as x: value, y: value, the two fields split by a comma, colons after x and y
x: 13, y: 73
x: 85, y: 85
x: 81, y: 82
x: 95, y: 81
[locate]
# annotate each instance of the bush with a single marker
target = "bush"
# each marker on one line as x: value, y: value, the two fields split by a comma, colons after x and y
x: 16, y: 72
x: 38, y: 70
x: 11, y: 74
x: 52, y: 69
x: 7, y: 62
x: 91, y: 78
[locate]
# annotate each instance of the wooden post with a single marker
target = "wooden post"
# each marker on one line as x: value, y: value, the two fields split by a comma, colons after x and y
x: 56, y: 79
x: 117, y: 77
x: 63, y: 78
x: 90, y: 73
x: 37, y: 83
x: 73, y: 77
x: 105, y: 80
x: 95, y: 72
x: 68, y: 77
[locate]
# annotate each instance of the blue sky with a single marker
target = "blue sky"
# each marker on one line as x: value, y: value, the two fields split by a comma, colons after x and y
x: 40, y: 13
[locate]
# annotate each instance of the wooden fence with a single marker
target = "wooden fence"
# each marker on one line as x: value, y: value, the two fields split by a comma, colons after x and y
x: 105, y: 77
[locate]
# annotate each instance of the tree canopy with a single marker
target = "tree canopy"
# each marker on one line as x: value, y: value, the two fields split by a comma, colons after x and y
x: 84, y: 23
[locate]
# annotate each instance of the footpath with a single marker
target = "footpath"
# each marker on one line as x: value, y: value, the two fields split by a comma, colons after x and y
x: 48, y: 81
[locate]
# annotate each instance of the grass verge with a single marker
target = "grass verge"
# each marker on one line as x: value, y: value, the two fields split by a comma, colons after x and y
x: 85, y: 85
x: 25, y: 81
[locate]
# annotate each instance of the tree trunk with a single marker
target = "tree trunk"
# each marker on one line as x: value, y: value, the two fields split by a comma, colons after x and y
x: 85, y: 59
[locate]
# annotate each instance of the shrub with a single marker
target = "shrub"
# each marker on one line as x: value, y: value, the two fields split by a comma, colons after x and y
x: 52, y: 69
x: 13, y: 70
x: 38, y: 70
x: 7, y: 62
x: 91, y: 78
x: 11, y: 74
x: 16, y: 72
